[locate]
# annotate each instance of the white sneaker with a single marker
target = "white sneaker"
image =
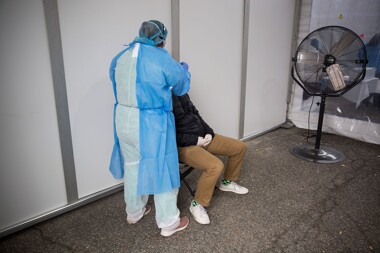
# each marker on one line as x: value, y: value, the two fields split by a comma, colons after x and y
x: 200, y: 214
x: 233, y: 187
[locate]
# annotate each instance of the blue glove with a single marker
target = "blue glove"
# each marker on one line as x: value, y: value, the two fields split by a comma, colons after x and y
x: 185, y: 65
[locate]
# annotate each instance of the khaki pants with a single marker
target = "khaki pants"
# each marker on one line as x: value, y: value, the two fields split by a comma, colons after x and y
x: 205, y: 159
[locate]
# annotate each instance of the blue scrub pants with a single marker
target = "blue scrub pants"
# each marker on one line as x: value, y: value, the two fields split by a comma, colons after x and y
x: 167, y: 213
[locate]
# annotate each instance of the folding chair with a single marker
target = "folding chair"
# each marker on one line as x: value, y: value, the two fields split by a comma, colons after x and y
x: 184, y: 171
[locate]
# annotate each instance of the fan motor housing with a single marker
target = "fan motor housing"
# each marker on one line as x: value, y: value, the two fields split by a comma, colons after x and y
x: 329, y: 60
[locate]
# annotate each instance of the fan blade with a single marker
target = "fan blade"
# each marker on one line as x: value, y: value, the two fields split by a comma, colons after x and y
x: 310, y: 57
x: 341, y: 47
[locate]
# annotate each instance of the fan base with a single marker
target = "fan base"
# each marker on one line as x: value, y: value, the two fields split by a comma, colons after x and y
x: 321, y: 155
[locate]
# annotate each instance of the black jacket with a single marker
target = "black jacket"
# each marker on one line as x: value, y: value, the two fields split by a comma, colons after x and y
x: 189, y: 124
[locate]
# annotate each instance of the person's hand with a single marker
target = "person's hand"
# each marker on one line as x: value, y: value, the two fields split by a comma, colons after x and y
x: 201, y: 141
x: 185, y: 65
x: 208, y: 139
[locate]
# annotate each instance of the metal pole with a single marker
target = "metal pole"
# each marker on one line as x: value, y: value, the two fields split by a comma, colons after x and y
x: 61, y: 102
x: 320, y: 122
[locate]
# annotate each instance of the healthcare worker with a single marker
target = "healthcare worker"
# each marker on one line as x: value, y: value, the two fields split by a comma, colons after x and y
x: 144, y: 75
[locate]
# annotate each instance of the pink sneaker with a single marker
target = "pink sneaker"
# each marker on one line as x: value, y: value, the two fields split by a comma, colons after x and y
x: 183, y: 222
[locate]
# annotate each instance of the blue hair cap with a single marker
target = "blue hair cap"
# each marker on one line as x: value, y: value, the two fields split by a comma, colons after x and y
x: 153, y: 30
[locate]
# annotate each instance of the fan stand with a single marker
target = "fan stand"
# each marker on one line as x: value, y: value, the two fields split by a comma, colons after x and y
x: 318, y: 153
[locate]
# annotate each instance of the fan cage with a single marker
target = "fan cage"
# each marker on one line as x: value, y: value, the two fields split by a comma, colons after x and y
x: 326, y: 47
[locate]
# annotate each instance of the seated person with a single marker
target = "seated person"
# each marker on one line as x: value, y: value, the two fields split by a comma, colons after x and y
x: 198, y: 146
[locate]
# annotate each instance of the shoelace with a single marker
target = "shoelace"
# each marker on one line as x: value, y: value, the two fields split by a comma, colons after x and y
x: 235, y: 185
x: 203, y: 211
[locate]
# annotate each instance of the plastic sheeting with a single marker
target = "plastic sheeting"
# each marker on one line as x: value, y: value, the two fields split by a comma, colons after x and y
x: 356, y: 114
x: 357, y: 118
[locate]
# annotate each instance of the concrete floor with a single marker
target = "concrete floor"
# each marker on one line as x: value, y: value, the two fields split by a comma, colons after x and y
x: 293, y: 206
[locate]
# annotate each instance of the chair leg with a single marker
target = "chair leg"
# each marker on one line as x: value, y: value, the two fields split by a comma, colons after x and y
x: 192, y: 192
x: 183, y: 175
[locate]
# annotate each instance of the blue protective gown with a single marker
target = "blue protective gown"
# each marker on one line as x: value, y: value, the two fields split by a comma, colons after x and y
x: 157, y: 76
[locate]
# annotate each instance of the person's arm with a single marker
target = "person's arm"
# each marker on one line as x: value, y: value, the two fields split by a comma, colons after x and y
x: 176, y: 76
x: 206, y: 127
x: 184, y: 140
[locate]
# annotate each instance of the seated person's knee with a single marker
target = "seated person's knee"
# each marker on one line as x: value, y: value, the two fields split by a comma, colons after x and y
x: 216, y: 167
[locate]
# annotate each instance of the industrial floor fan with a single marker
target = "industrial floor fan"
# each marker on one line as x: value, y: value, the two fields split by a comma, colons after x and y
x: 328, y: 62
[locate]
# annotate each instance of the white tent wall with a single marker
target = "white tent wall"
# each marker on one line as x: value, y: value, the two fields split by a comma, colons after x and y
x: 31, y: 175
x: 319, y: 13
x: 213, y: 46
x: 89, y: 44
x: 55, y: 159
x: 211, y: 37
x: 268, y: 64
x: 33, y: 171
